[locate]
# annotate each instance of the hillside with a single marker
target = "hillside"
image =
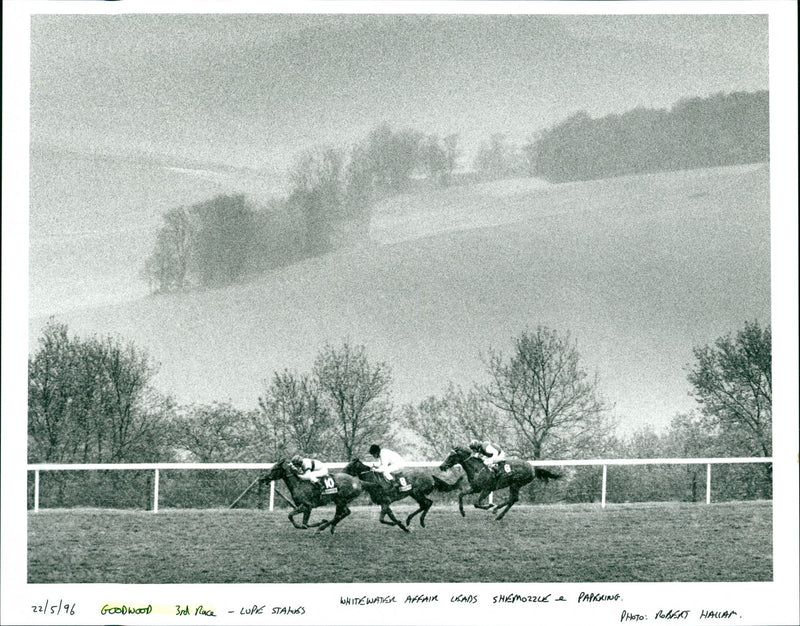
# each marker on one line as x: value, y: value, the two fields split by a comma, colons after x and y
x: 639, y: 269
x: 93, y: 219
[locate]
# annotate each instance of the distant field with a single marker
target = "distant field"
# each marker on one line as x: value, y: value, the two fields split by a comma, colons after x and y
x: 676, y: 542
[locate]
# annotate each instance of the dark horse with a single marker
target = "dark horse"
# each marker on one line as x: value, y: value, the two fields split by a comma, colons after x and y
x: 382, y: 493
x: 307, y: 496
x: 512, y: 473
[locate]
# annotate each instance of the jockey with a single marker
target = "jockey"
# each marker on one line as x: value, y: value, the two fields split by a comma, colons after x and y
x: 388, y: 461
x: 309, y: 469
x: 487, y: 452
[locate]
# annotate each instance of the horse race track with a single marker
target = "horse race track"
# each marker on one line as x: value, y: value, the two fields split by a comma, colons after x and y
x: 547, y: 543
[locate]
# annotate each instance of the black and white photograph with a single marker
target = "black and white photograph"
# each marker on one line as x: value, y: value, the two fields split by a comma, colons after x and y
x: 430, y: 313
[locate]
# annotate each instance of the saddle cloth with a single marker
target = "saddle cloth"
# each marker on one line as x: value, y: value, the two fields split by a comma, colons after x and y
x: 328, y: 486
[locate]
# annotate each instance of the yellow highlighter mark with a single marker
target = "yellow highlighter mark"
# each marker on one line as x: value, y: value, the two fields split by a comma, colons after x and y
x: 129, y: 608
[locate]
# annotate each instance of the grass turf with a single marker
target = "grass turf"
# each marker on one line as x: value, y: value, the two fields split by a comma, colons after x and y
x: 546, y: 543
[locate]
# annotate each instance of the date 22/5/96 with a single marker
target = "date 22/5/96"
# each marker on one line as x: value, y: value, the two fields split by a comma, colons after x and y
x: 50, y: 608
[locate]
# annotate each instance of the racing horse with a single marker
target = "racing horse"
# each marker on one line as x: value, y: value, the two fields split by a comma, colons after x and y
x: 513, y: 473
x: 418, y: 485
x: 339, y: 489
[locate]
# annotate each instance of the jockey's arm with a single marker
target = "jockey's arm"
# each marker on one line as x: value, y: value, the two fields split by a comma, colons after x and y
x: 493, y: 455
x: 312, y: 473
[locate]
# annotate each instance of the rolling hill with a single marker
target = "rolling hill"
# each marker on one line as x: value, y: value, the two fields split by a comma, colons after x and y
x: 639, y: 269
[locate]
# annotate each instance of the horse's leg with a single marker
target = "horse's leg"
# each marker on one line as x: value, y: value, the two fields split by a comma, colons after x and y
x: 484, y: 494
x: 421, y: 502
x: 307, y: 514
x: 478, y: 503
x: 461, y: 495
x: 336, y: 517
x: 385, y: 510
x: 470, y: 492
x: 299, y: 509
x: 340, y: 515
x: 323, y: 522
x: 428, y: 504
x: 513, y: 496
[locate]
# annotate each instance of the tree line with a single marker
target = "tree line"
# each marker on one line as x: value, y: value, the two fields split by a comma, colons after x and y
x: 333, y: 191
x: 92, y: 401
x: 723, y: 129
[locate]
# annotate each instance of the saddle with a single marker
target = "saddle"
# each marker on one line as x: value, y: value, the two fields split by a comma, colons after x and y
x: 400, y: 483
x: 499, y: 469
x: 326, y: 486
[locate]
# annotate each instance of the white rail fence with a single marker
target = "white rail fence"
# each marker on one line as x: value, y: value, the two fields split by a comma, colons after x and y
x: 156, y: 467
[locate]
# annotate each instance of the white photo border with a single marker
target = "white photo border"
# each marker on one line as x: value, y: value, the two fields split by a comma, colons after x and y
x: 757, y: 603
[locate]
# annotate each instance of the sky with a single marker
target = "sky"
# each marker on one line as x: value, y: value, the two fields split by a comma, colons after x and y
x: 254, y: 90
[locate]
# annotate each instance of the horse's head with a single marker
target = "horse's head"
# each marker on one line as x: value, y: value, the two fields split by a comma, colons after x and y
x: 280, y: 469
x: 456, y: 456
x: 355, y: 467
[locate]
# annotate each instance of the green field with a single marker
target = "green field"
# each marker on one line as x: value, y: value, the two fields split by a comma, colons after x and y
x: 663, y: 542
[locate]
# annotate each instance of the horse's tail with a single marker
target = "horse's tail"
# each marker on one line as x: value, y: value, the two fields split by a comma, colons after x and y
x: 545, y: 475
x: 442, y: 485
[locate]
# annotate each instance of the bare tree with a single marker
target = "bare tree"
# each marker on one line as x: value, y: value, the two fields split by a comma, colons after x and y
x: 733, y: 384
x: 90, y: 400
x: 356, y: 393
x: 433, y: 159
x: 451, y: 154
x: 393, y: 156
x: 222, y: 238
x: 491, y: 157
x: 211, y: 433
x: 167, y: 267
x: 358, y: 184
x: 318, y: 190
x: 292, y: 413
x: 455, y: 419
x: 52, y: 387
x: 553, y: 402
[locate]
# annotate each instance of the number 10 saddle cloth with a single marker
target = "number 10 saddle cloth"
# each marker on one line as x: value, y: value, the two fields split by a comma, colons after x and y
x: 328, y: 485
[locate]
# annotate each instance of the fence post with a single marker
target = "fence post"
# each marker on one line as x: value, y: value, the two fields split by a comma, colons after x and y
x: 708, y: 483
x: 272, y: 495
x: 155, y: 493
x: 603, y: 497
x: 36, y: 491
